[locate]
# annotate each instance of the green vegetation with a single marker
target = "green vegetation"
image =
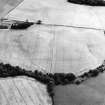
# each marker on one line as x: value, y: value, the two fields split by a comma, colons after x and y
x: 49, y: 79
x: 23, y: 25
x: 3, y: 27
x: 88, y: 2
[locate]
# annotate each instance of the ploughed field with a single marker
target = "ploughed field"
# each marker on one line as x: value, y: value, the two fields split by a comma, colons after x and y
x: 23, y: 91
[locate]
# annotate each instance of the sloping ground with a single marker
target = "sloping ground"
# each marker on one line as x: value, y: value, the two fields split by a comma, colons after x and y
x: 60, y: 12
x: 8, y: 5
x: 23, y: 91
x: 53, y: 49
x: 91, y: 92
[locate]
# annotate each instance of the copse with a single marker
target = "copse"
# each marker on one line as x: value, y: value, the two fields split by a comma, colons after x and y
x: 63, y: 78
x: 88, y: 2
x: 23, y: 25
x: 70, y: 76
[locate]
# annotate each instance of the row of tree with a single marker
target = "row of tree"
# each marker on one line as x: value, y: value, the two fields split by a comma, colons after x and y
x: 23, y: 25
x: 89, y: 74
x: 88, y: 2
x: 49, y: 79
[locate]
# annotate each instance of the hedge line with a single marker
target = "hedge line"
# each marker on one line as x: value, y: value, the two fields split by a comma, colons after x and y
x: 49, y: 79
x: 88, y: 2
x: 23, y: 25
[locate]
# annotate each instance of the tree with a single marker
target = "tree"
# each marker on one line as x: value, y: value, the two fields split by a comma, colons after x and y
x: 88, y: 2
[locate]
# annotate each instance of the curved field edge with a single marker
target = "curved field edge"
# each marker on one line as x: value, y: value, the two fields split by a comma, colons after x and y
x: 23, y: 91
x: 88, y: 2
x: 49, y: 79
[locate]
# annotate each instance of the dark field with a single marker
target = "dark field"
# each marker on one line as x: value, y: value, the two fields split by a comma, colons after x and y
x: 91, y: 92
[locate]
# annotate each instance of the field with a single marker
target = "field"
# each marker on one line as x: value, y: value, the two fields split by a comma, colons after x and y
x: 8, y: 5
x: 23, y: 91
x: 91, y: 92
x: 55, y: 49
x: 48, y: 49
x: 59, y: 12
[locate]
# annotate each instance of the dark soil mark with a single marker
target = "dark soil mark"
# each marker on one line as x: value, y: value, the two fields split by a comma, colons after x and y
x: 88, y: 2
x: 49, y: 79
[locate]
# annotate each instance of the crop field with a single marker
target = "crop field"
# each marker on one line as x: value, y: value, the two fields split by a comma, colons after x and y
x: 23, y: 91
x: 51, y: 49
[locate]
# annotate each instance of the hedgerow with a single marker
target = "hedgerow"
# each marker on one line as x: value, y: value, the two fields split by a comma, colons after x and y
x: 49, y: 79
x: 88, y: 2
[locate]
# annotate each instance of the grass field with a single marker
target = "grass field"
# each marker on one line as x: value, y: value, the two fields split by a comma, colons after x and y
x: 91, y: 92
